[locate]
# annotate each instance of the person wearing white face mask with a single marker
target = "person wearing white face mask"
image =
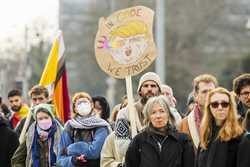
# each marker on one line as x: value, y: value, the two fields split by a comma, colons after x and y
x: 82, y: 139
x: 41, y: 143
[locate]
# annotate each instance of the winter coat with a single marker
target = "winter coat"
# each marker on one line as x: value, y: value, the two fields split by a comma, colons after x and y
x: 123, y: 129
x: 110, y: 156
x: 234, y: 153
x: 242, y: 110
x: 20, y: 125
x: 188, y: 126
x: 70, y: 147
x: 8, y: 143
x: 243, y: 159
x: 23, y: 155
x: 175, y: 150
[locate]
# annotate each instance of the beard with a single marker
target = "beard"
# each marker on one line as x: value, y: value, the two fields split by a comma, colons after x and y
x: 147, y: 96
x: 144, y: 100
x: 16, y: 108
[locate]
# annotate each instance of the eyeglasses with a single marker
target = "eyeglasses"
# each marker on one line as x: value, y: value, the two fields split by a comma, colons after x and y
x: 216, y: 104
x: 245, y: 94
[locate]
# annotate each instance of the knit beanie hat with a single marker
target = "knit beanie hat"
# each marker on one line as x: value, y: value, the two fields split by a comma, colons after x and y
x: 149, y: 76
x: 48, y: 108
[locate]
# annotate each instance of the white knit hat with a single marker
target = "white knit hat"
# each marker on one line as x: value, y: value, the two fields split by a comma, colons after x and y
x: 149, y: 76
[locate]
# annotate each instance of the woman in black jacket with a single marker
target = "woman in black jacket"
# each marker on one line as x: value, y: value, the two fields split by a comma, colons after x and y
x: 222, y: 141
x: 159, y: 144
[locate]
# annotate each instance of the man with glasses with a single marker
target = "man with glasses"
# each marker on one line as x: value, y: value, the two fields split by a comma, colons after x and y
x: 241, y: 87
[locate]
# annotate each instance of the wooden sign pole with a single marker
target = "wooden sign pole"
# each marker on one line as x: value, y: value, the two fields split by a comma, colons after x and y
x: 131, y: 105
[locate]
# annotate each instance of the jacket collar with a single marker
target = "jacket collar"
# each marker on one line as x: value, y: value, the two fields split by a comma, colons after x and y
x: 170, y: 132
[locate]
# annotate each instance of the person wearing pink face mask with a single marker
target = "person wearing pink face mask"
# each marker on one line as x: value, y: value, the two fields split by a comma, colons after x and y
x: 40, y: 146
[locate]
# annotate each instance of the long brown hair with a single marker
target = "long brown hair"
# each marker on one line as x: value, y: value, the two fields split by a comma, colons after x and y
x: 231, y: 127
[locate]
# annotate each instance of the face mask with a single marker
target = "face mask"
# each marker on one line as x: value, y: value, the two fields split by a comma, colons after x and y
x: 84, y: 108
x: 44, y: 124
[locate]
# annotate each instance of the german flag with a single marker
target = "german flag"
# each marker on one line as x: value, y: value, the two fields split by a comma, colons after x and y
x: 54, y: 77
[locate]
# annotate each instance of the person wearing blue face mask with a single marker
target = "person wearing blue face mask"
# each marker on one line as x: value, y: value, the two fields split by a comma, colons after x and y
x: 82, y: 139
x: 41, y: 143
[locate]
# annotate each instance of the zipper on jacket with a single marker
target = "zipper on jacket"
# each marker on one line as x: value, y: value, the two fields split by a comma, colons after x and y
x: 160, y: 143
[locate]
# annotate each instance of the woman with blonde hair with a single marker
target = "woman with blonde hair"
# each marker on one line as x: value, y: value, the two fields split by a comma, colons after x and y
x: 221, y: 133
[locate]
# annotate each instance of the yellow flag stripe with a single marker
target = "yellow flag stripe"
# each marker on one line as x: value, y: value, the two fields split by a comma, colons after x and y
x: 50, y: 70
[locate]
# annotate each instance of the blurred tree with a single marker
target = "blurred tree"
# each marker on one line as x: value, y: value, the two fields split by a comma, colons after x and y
x: 40, y: 35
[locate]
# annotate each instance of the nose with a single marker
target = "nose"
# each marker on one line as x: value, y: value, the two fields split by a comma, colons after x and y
x: 158, y: 115
x: 220, y: 107
x: 150, y: 87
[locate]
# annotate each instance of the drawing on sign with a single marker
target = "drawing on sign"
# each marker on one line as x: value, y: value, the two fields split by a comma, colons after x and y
x: 127, y: 42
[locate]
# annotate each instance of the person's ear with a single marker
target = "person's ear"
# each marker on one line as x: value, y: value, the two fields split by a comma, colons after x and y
x: 195, y: 96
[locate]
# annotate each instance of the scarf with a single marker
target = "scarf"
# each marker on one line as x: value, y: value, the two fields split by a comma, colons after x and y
x: 167, y: 129
x: 36, y: 146
x: 17, y: 116
x: 91, y: 122
x: 197, y: 116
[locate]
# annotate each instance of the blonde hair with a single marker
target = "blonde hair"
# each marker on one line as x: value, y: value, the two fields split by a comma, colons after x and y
x: 231, y: 127
x: 131, y: 28
x: 163, y: 102
x: 204, y: 78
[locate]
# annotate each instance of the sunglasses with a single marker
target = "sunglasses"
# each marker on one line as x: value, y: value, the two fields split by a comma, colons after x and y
x: 216, y: 104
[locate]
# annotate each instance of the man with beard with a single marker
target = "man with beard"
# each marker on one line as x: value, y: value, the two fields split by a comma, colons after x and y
x: 19, y: 110
x: 116, y: 144
x: 149, y: 86
x: 241, y: 86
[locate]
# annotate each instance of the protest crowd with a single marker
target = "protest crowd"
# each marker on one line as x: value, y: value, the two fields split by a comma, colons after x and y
x: 86, y: 131
x: 214, y: 132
